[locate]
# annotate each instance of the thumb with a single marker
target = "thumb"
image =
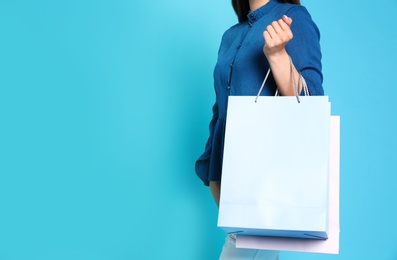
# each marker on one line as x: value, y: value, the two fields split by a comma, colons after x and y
x: 287, y: 20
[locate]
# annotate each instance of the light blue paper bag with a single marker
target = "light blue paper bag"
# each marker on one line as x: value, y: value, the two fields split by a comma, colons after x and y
x: 276, y: 167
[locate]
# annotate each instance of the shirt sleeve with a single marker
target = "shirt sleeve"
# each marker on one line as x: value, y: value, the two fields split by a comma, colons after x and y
x: 304, y: 49
x: 203, y: 163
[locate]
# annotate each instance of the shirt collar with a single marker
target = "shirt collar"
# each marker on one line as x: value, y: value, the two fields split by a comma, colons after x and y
x: 260, y: 12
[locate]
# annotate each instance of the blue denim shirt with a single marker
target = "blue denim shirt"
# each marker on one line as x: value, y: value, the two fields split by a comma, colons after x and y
x: 242, y: 65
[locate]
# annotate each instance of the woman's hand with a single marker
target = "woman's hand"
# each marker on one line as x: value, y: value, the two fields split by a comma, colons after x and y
x: 277, y: 35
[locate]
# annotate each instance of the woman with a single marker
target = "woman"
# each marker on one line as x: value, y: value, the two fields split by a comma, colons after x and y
x: 274, y: 34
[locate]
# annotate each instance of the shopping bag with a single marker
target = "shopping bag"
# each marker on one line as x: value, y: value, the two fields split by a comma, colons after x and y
x: 276, y: 167
x: 329, y: 246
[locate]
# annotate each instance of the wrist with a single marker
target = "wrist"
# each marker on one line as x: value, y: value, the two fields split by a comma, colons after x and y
x: 277, y: 57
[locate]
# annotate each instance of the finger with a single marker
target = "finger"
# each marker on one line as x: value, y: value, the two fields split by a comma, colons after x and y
x: 276, y: 26
x: 286, y: 29
x: 272, y: 33
x: 283, y: 25
x: 287, y: 20
x: 269, y: 42
x: 267, y: 37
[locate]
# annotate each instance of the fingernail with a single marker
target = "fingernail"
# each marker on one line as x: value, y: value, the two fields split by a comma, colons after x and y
x: 286, y: 16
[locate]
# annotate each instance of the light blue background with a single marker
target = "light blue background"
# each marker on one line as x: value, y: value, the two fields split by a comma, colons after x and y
x: 105, y: 105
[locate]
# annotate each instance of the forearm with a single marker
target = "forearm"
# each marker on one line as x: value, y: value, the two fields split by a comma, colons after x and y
x: 280, y: 65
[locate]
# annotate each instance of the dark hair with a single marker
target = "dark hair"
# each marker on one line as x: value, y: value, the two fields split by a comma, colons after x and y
x: 242, y: 7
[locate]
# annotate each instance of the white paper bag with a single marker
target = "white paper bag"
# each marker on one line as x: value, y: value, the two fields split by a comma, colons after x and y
x: 329, y: 246
x: 276, y: 167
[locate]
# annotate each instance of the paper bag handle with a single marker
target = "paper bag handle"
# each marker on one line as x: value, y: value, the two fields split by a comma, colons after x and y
x: 296, y: 85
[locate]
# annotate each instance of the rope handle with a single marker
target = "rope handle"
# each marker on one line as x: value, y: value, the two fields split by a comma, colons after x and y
x: 296, y: 85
